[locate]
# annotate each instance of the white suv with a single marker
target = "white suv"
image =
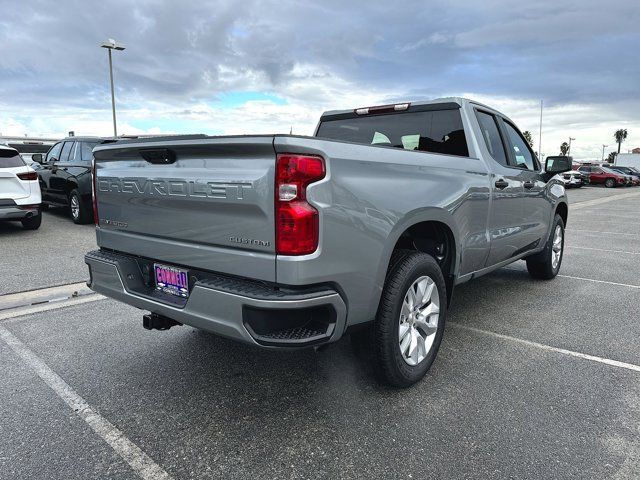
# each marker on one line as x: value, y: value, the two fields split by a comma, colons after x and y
x: 19, y: 190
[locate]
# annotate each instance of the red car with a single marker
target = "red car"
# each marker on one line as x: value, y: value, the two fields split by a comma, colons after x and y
x: 609, y: 178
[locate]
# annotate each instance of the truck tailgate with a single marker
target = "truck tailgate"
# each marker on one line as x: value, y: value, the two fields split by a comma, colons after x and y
x: 201, y: 202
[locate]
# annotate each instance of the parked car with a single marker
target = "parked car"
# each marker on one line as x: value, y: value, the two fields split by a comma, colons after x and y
x: 284, y: 241
x: 603, y: 175
x: 631, y: 172
x: 27, y: 148
x: 572, y: 179
x: 65, y: 176
x: 19, y: 190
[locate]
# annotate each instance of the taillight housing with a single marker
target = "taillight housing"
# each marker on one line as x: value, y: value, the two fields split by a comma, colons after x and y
x: 94, y: 201
x: 28, y: 176
x: 297, y: 222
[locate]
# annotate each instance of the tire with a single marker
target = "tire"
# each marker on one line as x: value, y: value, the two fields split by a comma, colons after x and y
x: 80, y: 214
x: 32, y: 223
x: 610, y: 183
x: 546, y: 264
x: 421, y: 335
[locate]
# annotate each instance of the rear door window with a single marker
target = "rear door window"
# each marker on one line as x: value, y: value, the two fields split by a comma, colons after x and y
x: 66, y: 150
x: 518, y: 145
x: 491, y: 135
x: 437, y: 131
x: 10, y: 158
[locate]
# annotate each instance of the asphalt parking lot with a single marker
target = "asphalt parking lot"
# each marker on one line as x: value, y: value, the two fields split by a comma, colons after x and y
x: 533, y: 379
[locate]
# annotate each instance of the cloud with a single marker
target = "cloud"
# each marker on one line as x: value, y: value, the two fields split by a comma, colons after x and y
x: 578, y: 56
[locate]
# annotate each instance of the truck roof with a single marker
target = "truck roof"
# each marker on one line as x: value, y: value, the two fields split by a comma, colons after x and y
x: 459, y: 101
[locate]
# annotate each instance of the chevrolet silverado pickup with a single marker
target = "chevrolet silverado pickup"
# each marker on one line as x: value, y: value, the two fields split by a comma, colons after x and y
x: 284, y: 241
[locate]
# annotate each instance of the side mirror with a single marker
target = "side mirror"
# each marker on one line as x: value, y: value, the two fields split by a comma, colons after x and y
x: 558, y: 164
x: 37, y: 157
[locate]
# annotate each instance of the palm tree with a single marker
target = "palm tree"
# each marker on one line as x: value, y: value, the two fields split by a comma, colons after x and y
x: 612, y: 157
x: 620, y: 136
x: 527, y: 136
x: 564, y: 148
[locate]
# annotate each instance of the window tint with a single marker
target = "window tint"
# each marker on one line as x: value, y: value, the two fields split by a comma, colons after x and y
x: 54, y: 153
x: 10, y: 158
x: 438, y: 131
x: 87, y: 147
x: 521, y: 152
x: 66, y: 150
x: 491, y: 135
x: 74, y: 156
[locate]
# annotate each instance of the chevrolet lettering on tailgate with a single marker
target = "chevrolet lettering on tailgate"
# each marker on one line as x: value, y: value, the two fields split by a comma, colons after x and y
x: 175, y: 188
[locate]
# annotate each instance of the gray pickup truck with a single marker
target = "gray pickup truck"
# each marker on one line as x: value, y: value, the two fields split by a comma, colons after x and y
x: 284, y: 241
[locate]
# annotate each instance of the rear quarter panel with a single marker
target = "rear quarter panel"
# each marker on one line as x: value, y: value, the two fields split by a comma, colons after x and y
x: 368, y: 198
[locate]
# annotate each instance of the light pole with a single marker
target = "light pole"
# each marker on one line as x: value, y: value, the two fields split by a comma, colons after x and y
x: 603, y: 147
x: 111, y: 44
x: 540, y: 136
x: 569, y: 149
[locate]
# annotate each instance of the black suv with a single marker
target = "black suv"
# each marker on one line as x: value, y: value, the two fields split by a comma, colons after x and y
x: 65, y: 176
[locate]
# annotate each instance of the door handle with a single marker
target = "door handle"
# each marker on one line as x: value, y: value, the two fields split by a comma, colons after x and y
x: 501, y: 184
x: 529, y: 185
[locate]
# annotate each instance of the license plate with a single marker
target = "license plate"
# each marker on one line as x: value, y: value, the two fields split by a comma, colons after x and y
x: 172, y: 280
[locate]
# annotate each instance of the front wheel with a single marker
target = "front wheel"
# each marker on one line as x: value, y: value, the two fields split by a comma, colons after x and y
x: 409, y: 324
x: 546, y: 264
x: 610, y: 183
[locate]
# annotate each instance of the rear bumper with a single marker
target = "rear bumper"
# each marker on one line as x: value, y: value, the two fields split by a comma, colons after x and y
x: 245, y: 310
x: 15, y: 212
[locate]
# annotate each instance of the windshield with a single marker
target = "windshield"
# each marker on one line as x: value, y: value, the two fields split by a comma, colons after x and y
x: 438, y: 131
x: 10, y: 158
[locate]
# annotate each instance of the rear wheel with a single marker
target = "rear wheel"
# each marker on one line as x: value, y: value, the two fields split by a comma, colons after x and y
x: 409, y: 325
x: 32, y: 223
x: 610, y: 183
x: 546, y: 264
x: 79, y: 211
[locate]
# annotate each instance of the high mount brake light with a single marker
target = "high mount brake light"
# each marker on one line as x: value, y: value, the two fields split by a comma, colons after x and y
x: 297, y: 222
x: 398, y: 107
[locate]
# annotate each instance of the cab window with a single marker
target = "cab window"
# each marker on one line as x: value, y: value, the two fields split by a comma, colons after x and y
x: 66, y: 150
x: 518, y: 145
x: 491, y: 136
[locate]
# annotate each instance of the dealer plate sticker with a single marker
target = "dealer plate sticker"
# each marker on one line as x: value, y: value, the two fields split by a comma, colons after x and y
x: 171, y: 280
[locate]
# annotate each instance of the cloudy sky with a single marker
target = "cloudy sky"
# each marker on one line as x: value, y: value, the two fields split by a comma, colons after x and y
x: 226, y: 67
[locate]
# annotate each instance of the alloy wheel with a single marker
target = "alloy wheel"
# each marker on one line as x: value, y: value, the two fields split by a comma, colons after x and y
x: 75, y: 206
x: 418, y: 321
x: 556, y: 248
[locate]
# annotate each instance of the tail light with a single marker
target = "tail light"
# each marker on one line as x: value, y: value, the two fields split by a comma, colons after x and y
x: 94, y: 200
x: 297, y: 223
x: 28, y: 176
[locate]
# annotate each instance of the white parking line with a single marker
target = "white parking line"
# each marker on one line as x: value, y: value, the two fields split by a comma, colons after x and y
x: 600, y: 281
x: 523, y: 270
x: 591, y: 213
x: 549, y: 348
x: 602, y: 250
x: 45, y: 307
x: 139, y: 461
x: 601, y: 233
